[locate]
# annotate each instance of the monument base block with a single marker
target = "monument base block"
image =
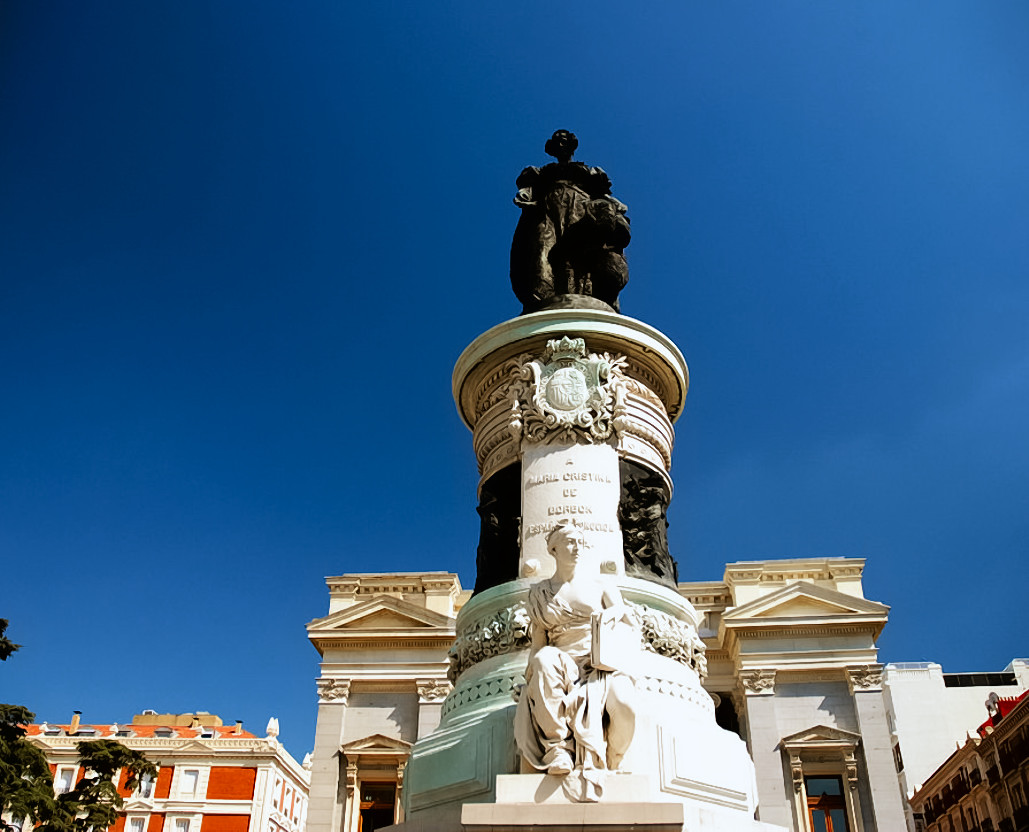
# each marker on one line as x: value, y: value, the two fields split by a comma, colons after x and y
x: 536, y: 801
x: 529, y: 802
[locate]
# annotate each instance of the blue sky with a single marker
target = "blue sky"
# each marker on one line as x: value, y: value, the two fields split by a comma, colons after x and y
x: 242, y: 245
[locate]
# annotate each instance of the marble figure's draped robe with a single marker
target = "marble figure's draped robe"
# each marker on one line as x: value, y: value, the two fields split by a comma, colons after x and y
x: 562, y: 704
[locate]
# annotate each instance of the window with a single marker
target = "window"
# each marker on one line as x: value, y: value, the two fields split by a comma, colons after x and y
x: 826, y: 805
x: 182, y: 825
x: 64, y: 782
x: 378, y: 805
x: 1017, y: 800
x: 136, y: 825
x: 146, y: 786
x: 898, y: 761
x: 188, y: 787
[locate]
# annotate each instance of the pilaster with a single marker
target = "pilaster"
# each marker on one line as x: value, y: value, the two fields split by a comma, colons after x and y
x: 325, y: 809
x: 431, y: 693
x: 865, y: 682
x: 763, y: 740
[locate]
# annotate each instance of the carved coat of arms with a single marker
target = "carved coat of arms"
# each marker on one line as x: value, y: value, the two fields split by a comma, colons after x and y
x: 567, y: 393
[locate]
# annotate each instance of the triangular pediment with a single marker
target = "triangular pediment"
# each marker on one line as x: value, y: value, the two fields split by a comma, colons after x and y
x: 821, y: 735
x: 804, y: 600
x: 376, y: 743
x: 383, y: 613
x: 194, y: 745
x: 137, y: 804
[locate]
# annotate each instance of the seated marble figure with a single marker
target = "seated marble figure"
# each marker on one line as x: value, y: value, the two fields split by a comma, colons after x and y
x: 572, y: 716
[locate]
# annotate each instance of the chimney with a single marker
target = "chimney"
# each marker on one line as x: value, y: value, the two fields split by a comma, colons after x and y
x: 74, y: 727
x: 239, y: 727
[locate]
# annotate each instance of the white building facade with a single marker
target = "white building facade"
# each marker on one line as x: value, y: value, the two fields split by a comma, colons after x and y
x: 792, y: 665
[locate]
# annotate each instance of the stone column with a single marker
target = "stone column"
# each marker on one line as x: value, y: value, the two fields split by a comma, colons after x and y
x: 325, y: 811
x: 865, y: 683
x: 571, y: 413
x: 431, y: 693
x: 562, y: 410
x: 763, y: 739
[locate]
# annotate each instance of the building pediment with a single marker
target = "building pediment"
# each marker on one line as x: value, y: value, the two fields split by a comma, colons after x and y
x: 194, y: 746
x: 376, y: 743
x: 381, y: 614
x: 821, y: 736
x: 803, y: 600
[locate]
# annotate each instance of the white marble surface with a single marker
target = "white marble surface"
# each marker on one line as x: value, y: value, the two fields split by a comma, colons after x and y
x: 575, y: 482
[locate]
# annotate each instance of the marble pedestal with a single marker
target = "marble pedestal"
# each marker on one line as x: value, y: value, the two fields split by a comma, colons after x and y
x: 681, y: 772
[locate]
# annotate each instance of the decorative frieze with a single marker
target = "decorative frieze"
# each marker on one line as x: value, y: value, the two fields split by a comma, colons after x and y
x: 668, y: 636
x: 482, y: 689
x: 758, y: 681
x: 333, y: 690
x: 508, y: 631
x: 505, y: 632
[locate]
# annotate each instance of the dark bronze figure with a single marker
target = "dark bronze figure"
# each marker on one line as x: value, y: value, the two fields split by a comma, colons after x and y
x: 496, y: 559
x: 567, y: 247
x: 642, y: 514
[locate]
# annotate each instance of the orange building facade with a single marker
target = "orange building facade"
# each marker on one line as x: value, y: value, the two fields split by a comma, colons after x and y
x: 211, y: 777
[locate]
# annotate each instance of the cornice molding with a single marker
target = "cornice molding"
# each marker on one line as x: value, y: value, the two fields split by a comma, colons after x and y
x: 429, y: 642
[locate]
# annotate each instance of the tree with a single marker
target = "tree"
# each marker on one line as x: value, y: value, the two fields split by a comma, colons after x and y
x: 94, y: 802
x: 27, y: 786
x: 6, y: 645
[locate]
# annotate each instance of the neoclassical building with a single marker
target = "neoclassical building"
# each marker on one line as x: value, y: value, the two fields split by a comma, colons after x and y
x: 791, y: 664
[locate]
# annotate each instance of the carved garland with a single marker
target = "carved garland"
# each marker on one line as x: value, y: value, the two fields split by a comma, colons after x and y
x: 508, y: 631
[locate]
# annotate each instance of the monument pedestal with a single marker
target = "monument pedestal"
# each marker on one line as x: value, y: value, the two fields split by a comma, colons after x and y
x: 537, y: 801
x: 574, y: 408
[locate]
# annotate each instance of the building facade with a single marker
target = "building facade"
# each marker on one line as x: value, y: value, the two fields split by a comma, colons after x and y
x: 791, y: 663
x: 382, y: 684
x: 983, y: 786
x: 211, y: 777
x: 932, y: 712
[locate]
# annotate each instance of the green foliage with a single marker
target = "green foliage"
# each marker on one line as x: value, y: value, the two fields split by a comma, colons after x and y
x: 26, y: 787
x: 6, y: 645
x: 94, y: 802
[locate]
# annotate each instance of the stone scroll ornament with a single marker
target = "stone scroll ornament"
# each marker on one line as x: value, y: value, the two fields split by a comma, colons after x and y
x: 567, y: 395
x: 567, y: 250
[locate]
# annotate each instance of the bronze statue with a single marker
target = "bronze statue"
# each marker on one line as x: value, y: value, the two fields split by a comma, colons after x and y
x: 570, y: 236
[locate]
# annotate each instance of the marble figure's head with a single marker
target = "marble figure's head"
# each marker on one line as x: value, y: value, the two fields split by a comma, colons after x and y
x: 566, y: 541
x: 561, y: 145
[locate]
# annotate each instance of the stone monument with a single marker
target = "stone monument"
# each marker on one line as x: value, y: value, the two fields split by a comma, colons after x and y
x: 577, y: 667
